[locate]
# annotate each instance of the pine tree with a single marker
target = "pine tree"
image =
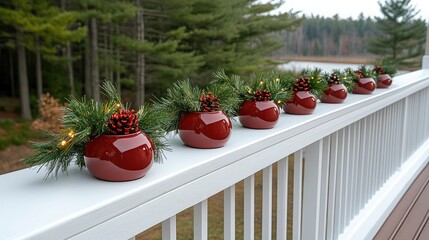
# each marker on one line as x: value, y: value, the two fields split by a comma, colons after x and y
x: 404, y: 35
x: 100, y: 13
x: 229, y: 34
x: 39, y: 27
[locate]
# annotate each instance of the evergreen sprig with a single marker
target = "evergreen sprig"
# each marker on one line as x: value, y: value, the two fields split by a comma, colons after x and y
x: 243, y: 90
x: 272, y: 82
x: 180, y: 98
x: 364, y: 71
x: 317, y: 85
x: 342, y: 77
x: 351, y: 74
x: 151, y: 121
x: 388, y: 66
x: 85, y: 118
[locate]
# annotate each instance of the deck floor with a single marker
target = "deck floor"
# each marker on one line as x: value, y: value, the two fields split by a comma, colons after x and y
x: 410, y: 218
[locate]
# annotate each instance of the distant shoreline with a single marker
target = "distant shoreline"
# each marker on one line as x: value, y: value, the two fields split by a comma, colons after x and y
x: 331, y: 59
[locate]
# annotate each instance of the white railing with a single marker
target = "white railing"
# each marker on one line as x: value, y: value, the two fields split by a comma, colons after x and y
x: 352, y: 163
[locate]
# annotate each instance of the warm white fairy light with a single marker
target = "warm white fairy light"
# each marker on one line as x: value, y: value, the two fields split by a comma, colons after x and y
x: 68, y: 138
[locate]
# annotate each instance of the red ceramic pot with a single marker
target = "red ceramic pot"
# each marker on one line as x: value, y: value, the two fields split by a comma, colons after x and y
x: 205, y: 129
x: 384, y: 81
x: 302, y: 103
x: 258, y: 114
x: 364, y: 86
x: 336, y: 93
x: 119, y: 157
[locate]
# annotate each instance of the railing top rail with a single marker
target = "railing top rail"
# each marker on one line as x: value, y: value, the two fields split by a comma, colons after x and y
x: 77, y: 205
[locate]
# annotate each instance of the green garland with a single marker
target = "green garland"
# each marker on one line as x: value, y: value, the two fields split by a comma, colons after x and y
x: 365, y: 71
x: 387, y: 65
x: 85, y: 118
x: 317, y: 85
x: 243, y: 90
x: 343, y: 77
x: 180, y: 98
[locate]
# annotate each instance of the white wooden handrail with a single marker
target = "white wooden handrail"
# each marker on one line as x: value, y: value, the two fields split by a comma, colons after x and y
x: 339, y: 163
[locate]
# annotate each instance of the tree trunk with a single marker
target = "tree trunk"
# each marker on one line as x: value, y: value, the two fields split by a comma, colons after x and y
x: 95, y: 75
x: 12, y: 74
x: 88, y: 88
x: 140, y: 66
x: 69, y: 56
x: 70, y: 67
x: 23, y: 78
x: 118, y: 73
x: 111, y: 52
x: 106, y: 54
x: 39, y: 79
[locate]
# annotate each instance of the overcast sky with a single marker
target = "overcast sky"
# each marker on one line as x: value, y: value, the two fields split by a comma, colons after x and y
x: 346, y: 8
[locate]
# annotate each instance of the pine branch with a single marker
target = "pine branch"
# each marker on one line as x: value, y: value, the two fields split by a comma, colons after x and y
x: 345, y: 79
x: 84, y: 118
x: 180, y: 98
x: 151, y: 121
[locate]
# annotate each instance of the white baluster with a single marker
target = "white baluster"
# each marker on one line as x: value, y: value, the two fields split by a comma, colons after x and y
x: 229, y: 213
x: 267, y: 193
x: 249, y: 207
x: 315, y: 193
x: 297, y: 195
x: 282, y: 199
x: 169, y: 228
x: 200, y: 220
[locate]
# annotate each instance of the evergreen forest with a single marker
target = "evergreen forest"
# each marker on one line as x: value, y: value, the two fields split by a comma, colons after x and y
x: 71, y: 46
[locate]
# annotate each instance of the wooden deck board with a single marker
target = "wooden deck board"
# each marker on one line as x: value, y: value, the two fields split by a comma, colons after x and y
x: 409, y: 219
x: 424, y: 235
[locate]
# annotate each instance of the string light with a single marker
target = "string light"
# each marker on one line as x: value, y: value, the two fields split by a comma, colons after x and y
x: 277, y: 79
x: 261, y: 82
x: 67, y: 139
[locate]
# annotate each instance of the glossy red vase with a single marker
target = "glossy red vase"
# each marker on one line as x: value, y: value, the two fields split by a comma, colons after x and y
x: 364, y: 86
x: 119, y: 157
x: 336, y: 93
x: 302, y: 103
x: 258, y: 114
x: 205, y: 129
x: 384, y: 81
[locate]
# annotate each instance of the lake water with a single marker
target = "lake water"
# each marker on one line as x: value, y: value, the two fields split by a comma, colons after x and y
x: 325, y: 66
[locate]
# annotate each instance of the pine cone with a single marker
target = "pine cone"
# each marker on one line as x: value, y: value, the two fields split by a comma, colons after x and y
x: 359, y: 73
x: 379, y: 70
x: 334, y: 79
x: 209, y: 103
x: 123, y: 122
x: 302, y: 84
x: 262, y: 95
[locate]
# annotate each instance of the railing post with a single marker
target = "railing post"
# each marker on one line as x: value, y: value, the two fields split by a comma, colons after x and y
x: 314, y: 207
